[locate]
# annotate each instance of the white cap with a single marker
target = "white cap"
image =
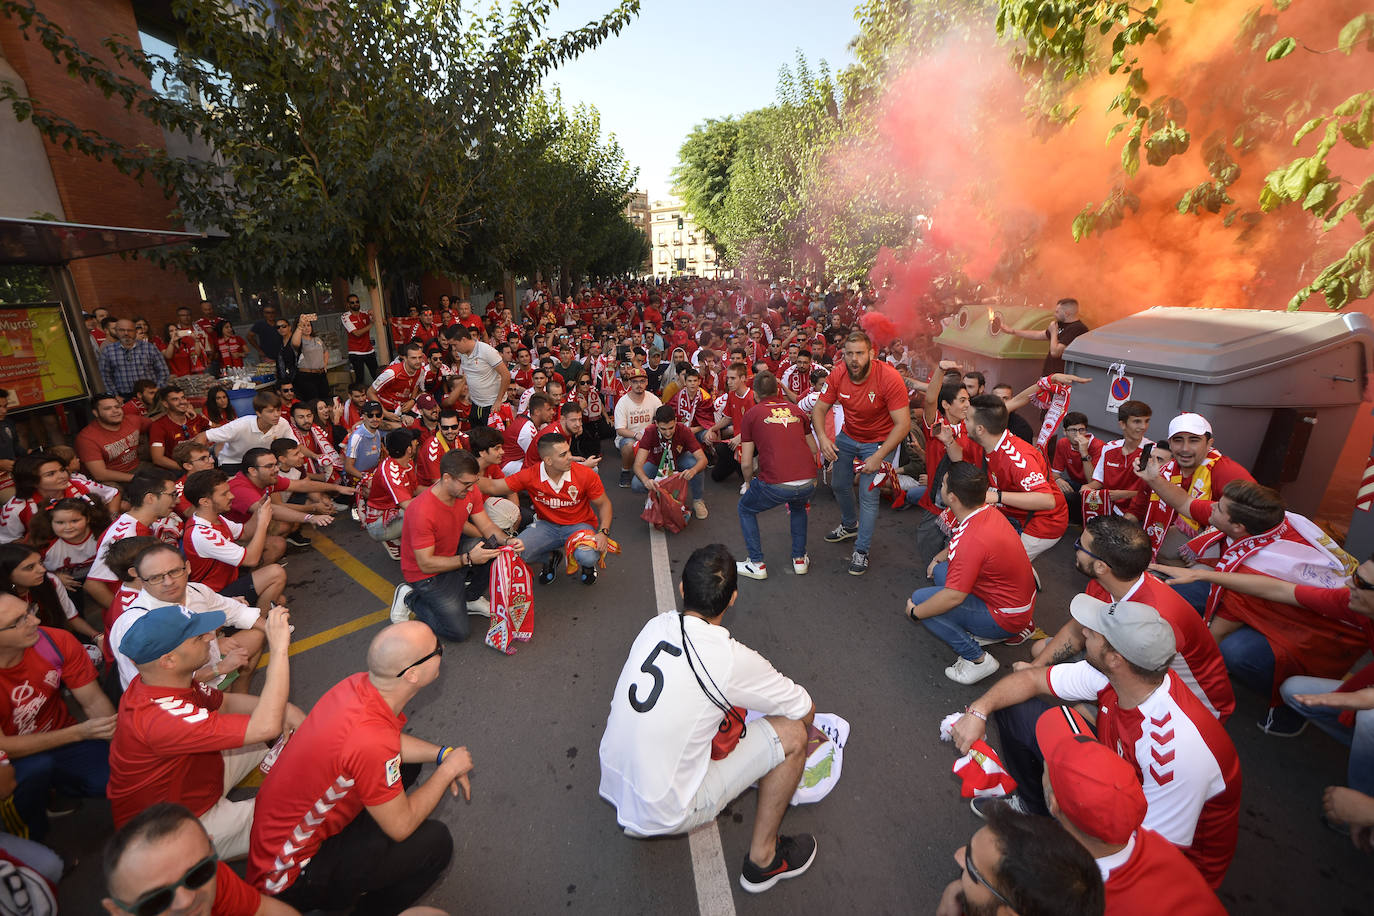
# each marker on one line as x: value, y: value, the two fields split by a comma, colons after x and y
x: 1194, y: 423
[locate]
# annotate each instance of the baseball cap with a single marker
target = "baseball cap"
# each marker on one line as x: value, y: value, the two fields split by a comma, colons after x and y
x: 1135, y: 630
x: 426, y: 402
x: 371, y: 406
x: 1194, y: 423
x: 636, y: 373
x: 1096, y: 789
x: 163, y: 629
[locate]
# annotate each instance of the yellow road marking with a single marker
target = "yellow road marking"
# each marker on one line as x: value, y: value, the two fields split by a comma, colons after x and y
x: 359, y: 573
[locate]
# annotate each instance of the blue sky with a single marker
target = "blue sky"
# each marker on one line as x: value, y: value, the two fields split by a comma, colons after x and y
x: 726, y: 52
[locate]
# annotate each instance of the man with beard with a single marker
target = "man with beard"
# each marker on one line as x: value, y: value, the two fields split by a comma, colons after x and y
x: 1187, y: 764
x: 1053, y: 874
x: 876, y: 420
x: 1114, y: 552
x: 449, y: 437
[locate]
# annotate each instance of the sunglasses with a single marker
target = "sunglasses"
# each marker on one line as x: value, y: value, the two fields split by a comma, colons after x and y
x: 1361, y: 582
x: 160, y: 900
x: 978, y: 878
x: 375, y: 416
x: 448, y: 429
x: 438, y: 651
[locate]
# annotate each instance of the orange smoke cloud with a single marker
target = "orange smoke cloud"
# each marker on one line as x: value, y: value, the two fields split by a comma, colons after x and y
x: 1006, y: 191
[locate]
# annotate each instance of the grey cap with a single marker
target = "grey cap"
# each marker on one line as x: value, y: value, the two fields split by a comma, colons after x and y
x: 1135, y: 630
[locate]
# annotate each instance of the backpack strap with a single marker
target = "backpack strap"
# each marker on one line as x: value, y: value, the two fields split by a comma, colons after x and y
x: 49, y: 651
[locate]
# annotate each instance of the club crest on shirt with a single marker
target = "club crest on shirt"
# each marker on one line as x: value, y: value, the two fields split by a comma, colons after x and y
x: 783, y: 416
x: 393, y: 770
x: 871, y: 396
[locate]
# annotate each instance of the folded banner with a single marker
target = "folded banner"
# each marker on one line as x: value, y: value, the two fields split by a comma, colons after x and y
x: 826, y: 737
x: 585, y: 538
x: 982, y: 774
x: 512, y: 602
x: 663, y: 506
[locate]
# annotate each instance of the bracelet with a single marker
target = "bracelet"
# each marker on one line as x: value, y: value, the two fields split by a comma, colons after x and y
x: 970, y: 711
x: 467, y: 558
x: 310, y: 519
x: 443, y: 752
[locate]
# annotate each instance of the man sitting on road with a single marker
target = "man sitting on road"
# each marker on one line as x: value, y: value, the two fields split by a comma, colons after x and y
x: 1115, y: 553
x: 163, y: 572
x: 261, y: 478
x: 363, y: 447
x: 1114, y: 484
x: 446, y: 571
x: 1096, y: 797
x: 311, y: 846
x: 984, y: 589
x: 521, y: 434
x: 1076, y: 453
x: 779, y: 432
x: 449, y: 437
x: 48, y: 748
x: 237, y: 437
x: 294, y: 464
x: 668, y: 447
x: 150, y: 496
x: 1019, y: 476
x: 213, y: 547
x: 634, y: 413
x: 1188, y: 766
x: 682, y: 674
x: 393, y: 486
x: 164, y: 854
x: 730, y: 406
x: 1195, y: 474
x: 569, y: 504
x: 183, y: 741
x: 569, y: 425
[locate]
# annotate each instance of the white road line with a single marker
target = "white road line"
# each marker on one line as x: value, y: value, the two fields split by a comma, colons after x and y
x: 714, y: 897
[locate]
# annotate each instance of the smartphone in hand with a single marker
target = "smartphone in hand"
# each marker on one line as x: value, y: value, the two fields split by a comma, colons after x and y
x: 1145, y: 449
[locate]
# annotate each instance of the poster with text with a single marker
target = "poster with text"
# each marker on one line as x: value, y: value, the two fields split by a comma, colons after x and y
x: 37, y: 361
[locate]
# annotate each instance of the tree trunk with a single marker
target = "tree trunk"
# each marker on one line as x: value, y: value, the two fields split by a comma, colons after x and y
x: 375, y: 306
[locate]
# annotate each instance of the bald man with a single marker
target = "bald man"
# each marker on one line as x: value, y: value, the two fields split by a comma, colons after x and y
x: 351, y: 754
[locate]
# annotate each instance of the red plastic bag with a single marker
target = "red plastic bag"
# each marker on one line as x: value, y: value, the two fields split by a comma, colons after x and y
x: 663, y: 508
x: 512, y: 602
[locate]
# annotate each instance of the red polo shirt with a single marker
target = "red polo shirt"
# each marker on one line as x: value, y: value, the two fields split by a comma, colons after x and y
x: 568, y: 504
x: 867, y: 404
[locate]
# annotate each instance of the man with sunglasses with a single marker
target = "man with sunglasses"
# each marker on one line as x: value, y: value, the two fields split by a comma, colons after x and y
x: 1055, y: 876
x: 261, y: 478
x: 363, y: 448
x: 48, y: 748
x: 181, y: 740
x: 163, y: 859
x: 449, y: 436
x: 310, y: 846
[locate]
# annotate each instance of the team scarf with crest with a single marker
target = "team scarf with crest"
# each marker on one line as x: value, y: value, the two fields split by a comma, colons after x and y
x: 584, y: 538
x: 1053, y: 399
x: 512, y: 602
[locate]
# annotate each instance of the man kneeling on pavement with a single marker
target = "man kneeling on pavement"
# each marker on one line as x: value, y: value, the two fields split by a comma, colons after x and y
x: 659, y: 767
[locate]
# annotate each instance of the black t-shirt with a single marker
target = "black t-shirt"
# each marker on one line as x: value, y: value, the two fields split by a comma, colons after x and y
x: 1018, y: 427
x: 1068, y: 332
x: 656, y: 376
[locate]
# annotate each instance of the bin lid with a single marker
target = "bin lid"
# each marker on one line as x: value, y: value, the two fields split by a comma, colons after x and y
x: 970, y: 329
x: 1218, y: 345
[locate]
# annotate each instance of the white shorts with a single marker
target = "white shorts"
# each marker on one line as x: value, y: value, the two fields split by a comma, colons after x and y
x: 1036, y: 546
x: 758, y: 753
x: 230, y: 822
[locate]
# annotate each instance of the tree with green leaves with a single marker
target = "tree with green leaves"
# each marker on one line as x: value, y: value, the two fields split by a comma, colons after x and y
x: 337, y: 135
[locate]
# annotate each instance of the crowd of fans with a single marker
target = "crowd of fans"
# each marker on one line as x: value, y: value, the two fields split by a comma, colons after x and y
x: 141, y: 575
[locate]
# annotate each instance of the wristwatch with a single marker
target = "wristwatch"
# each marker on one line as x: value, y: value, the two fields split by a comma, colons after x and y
x: 606, y: 531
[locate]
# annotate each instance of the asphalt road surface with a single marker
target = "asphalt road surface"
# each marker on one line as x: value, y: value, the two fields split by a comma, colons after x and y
x: 536, y: 837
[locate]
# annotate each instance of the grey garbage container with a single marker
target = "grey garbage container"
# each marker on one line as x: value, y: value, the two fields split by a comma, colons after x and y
x: 1279, y: 388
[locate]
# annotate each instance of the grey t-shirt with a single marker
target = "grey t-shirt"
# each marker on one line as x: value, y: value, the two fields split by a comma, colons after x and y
x: 480, y: 369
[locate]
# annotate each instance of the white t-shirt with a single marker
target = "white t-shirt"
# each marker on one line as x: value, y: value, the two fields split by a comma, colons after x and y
x: 636, y: 417
x: 199, y: 599
x: 238, y: 436
x: 484, y: 378
x: 657, y: 744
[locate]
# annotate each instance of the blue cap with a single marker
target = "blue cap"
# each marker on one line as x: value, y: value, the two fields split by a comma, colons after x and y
x: 163, y: 629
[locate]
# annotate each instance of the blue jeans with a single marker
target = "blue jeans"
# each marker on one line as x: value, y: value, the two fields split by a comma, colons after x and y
x: 914, y: 494
x: 760, y: 497
x: 970, y: 616
x: 1249, y: 659
x: 842, y: 483
x: 441, y: 601
x: 543, y: 538
x: 77, y: 770
x: 1360, y: 739
x: 696, y: 486
x: 1195, y: 593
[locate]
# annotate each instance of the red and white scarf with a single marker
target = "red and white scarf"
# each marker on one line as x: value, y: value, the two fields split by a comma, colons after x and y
x: 1054, y: 400
x: 1295, y: 551
x: 512, y: 602
x: 981, y: 773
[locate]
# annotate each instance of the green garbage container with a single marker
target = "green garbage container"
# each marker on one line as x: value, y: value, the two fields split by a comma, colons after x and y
x: 1004, y: 358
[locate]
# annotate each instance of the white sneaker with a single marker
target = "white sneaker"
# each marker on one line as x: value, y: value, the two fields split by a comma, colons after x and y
x: 801, y: 566
x: 983, y: 641
x: 964, y: 671
x: 699, y: 507
x: 751, y: 570
x: 480, y: 606
x: 399, y: 612
x: 393, y: 549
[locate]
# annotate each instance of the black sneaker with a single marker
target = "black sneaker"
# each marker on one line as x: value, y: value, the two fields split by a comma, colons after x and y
x: 624, y: 480
x: 588, y: 575
x: 981, y: 803
x: 1282, y: 722
x: 794, y: 856
x: 296, y: 539
x: 858, y: 563
x: 550, y: 570
x: 841, y: 533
